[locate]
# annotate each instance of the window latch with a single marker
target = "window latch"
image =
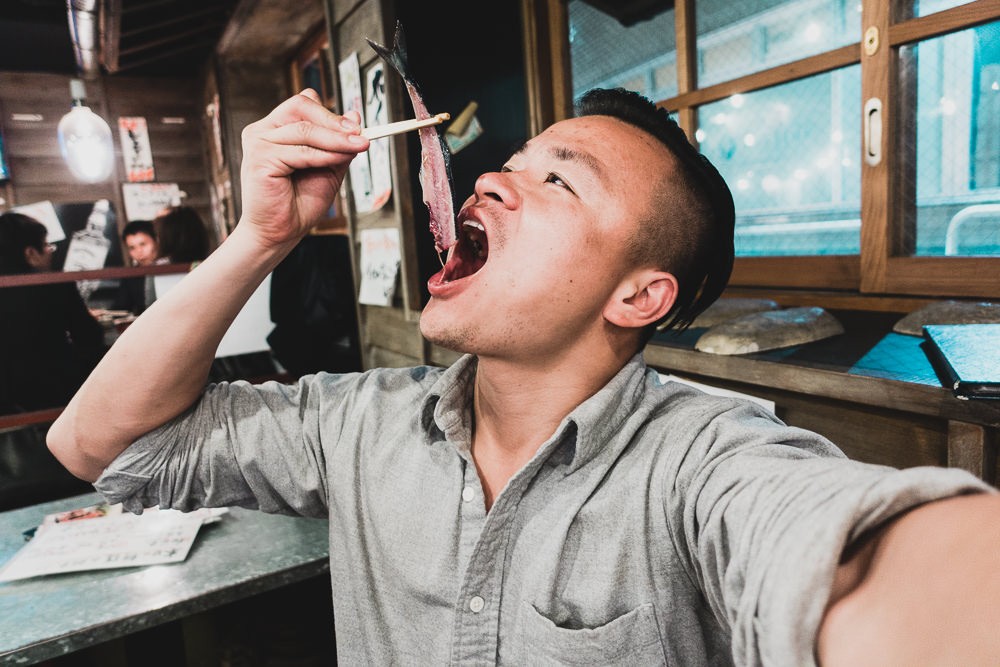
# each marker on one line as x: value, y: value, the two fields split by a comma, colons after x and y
x: 873, y: 131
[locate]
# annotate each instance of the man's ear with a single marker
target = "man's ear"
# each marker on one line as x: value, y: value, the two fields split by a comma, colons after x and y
x: 642, y: 298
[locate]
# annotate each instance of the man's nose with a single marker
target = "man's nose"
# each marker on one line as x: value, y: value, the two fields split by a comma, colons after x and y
x: 499, y: 187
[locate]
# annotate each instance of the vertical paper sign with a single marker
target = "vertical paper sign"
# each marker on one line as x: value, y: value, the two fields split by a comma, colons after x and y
x: 350, y: 89
x: 136, y: 153
x: 379, y: 265
x: 378, y: 153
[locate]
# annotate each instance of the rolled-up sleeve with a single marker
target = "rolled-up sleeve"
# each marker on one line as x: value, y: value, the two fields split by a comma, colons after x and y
x: 768, y: 511
x: 254, y: 446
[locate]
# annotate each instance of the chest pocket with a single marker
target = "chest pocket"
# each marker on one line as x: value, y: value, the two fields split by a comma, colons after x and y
x: 630, y: 639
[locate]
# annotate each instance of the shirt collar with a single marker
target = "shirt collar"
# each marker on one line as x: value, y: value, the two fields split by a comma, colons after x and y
x: 448, y: 404
x: 599, y: 419
x: 592, y: 424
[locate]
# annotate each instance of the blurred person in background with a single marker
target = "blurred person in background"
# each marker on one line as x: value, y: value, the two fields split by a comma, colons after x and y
x: 182, y: 235
x: 140, y: 240
x: 49, y: 341
x: 139, y: 237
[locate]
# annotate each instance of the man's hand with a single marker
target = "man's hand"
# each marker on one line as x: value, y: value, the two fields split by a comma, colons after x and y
x: 294, y: 161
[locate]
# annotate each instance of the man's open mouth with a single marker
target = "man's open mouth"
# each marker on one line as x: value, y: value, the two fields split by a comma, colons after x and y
x: 469, y: 254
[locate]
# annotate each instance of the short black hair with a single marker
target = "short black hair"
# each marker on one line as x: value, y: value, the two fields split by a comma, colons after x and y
x: 18, y: 232
x: 139, y: 227
x: 182, y: 235
x: 692, y: 238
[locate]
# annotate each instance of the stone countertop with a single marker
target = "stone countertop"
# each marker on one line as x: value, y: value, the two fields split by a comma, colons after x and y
x: 245, y: 553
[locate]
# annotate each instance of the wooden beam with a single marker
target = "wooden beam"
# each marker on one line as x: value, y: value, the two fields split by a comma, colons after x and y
x: 110, y: 33
x: 800, y: 69
x: 940, y: 23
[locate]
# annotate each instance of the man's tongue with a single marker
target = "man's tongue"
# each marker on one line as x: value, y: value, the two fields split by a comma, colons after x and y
x: 469, y: 254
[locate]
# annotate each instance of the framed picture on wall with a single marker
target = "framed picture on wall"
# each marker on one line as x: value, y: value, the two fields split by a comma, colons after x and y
x: 311, y: 68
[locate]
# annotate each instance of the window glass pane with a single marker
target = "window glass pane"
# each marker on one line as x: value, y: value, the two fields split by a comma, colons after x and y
x: 607, y: 54
x: 738, y: 38
x: 925, y: 7
x: 957, y: 142
x: 791, y: 157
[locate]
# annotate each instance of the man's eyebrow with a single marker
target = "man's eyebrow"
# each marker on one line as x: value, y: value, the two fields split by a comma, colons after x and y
x: 571, y: 155
x: 582, y: 158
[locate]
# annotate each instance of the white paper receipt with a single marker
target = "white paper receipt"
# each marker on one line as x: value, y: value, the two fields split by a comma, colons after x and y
x: 122, y: 540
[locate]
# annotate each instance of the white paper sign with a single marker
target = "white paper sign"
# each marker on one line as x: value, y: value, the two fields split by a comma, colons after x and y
x: 45, y: 213
x: 376, y: 113
x: 249, y: 331
x: 144, y: 200
x: 350, y: 90
x: 124, y: 540
x: 136, y: 152
x: 379, y: 265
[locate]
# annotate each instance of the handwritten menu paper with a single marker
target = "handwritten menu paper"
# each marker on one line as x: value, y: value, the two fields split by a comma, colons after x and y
x: 379, y: 265
x: 107, y: 541
x: 354, y: 100
x: 143, y: 201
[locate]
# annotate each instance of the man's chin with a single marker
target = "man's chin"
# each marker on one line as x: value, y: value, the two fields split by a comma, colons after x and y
x: 455, y: 339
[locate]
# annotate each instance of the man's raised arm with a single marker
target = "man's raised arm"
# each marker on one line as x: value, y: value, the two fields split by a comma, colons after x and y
x: 925, y: 590
x: 294, y: 161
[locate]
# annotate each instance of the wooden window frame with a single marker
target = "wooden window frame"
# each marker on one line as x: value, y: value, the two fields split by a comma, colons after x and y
x: 883, y: 275
x: 312, y: 48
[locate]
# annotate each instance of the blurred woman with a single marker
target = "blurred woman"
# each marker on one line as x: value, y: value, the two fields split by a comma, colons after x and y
x: 182, y: 235
x: 49, y: 341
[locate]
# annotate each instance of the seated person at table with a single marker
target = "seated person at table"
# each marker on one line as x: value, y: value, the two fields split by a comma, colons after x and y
x: 140, y: 240
x: 182, y: 235
x: 49, y: 341
x: 545, y: 499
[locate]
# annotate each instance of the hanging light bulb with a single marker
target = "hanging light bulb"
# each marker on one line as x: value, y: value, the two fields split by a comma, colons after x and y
x: 85, y: 139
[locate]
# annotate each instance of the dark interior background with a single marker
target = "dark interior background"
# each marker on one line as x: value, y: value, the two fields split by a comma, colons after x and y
x: 450, y: 74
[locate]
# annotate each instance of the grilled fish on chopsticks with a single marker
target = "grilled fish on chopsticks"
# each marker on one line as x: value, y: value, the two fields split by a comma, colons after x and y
x: 435, y: 157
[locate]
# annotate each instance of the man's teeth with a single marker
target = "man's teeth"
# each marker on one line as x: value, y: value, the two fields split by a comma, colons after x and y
x: 476, y: 234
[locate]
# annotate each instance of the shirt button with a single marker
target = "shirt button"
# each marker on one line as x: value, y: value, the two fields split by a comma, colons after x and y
x: 468, y: 494
x: 476, y: 604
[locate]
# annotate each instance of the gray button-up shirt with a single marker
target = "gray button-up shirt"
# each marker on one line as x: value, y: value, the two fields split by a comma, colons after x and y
x: 657, y: 525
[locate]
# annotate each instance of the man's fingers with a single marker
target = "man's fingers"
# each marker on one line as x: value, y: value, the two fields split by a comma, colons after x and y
x: 285, y: 159
x: 306, y: 106
x: 311, y: 94
x: 304, y: 133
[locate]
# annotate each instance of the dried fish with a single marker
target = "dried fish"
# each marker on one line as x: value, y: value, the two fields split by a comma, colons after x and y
x: 948, y: 312
x: 436, y: 181
x: 730, y: 308
x: 771, y: 330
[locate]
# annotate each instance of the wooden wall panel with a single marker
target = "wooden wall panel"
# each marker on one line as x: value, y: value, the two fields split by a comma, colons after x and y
x: 388, y: 329
x: 377, y: 357
x: 894, y: 439
x: 886, y: 437
x: 172, y: 111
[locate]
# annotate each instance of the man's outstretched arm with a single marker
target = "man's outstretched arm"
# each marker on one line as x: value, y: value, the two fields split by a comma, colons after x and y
x: 924, y: 590
x: 294, y: 162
